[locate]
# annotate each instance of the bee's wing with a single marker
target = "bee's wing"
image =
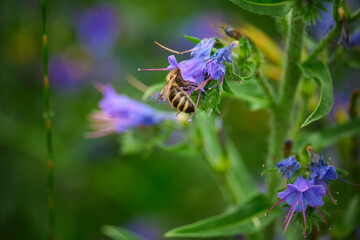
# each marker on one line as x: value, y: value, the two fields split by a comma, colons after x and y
x: 163, y: 93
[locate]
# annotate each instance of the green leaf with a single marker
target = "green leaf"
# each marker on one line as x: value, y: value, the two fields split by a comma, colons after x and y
x: 248, y: 218
x: 211, y: 144
x: 118, y: 233
x: 152, y: 90
x: 193, y: 39
x: 328, y: 136
x: 238, y: 177
x: 249, y: 91
x: 275, y: 8
x: 225, y: 160
x: 320, y: 72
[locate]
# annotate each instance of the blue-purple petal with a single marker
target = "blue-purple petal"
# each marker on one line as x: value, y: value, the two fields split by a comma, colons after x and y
x: 288, y: 166
x: 314, y: 195
x: 215, y: 70
x: 128, y: 113
x: 355, y: 38
x: 192, y: 70
x: 173, y: 62
x: 203, y: 48
x: 224, y: 54
x: 311, y: 194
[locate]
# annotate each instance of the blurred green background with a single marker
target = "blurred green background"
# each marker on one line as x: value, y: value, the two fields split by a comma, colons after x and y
x: 99, y: 41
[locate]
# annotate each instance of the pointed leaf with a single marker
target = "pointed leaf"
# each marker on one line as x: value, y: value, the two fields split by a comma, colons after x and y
x: 320, y: 72
x: 224, y: 157
x: 275, y: 8
x: 193, y: 39
x: 248, y: 218
x: 118, y: 233
x: 211, y: 145
x: 238, y: 176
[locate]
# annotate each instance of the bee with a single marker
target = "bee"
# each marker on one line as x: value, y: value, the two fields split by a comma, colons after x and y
x: 174, y: 92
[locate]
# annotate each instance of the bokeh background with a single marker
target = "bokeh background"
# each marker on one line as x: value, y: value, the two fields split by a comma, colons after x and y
x: 105, y: 41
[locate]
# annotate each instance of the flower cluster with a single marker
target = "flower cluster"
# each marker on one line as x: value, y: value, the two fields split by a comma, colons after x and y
x: 304, y: 193
x: 119, y: 113
x: 202, y: 66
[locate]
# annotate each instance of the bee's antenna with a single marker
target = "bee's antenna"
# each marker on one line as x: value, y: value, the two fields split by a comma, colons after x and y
x: 173, y: 51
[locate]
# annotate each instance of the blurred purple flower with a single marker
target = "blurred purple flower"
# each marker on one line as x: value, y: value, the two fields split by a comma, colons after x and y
x: 144, y: 228
x: 288, y: 166
x: 120, y: 113
x: 299, y: 196
x: 98, y: 29
x: 66, y: 73
x: 355, y: 38
x: 205, y: 26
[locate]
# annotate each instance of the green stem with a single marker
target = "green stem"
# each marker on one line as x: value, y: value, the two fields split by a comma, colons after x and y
x: 331, y: 36
x: 283, y: 111
x: 267, y: 89
x: 48, y: 129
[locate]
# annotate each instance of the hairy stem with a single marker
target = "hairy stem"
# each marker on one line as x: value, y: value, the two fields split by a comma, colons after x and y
x: 280, y: 125
x: 48, y: 129
x: 267, y: 89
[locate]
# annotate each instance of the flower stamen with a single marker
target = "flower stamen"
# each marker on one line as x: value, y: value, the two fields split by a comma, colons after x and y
x: 317, y: 209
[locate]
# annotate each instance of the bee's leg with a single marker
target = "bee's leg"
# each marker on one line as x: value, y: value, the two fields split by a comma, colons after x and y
x: 177, y: 114
x: 197, y: 102
x: 173, y: 51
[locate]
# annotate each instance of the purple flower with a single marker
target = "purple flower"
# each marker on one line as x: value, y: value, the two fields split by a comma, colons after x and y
x: 355, y: 38
x: 120, y: 113
x: 193, y: 70
x: 215, y: 67
x: 98, y: 29
x: 67, y: 73
x: 203, y: 48
x: 201, y: 65
x: 321, y: 173
x: 288, y: 166
x: 300, y: 195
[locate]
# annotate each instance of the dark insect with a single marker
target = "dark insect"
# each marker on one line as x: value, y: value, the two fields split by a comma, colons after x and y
x: 174, y: 92
x: 233, y: 32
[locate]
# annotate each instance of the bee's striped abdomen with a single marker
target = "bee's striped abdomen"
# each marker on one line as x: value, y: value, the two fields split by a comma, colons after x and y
x: 180, y: 100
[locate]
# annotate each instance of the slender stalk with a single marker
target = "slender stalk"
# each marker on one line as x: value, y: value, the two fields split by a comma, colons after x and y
x: 48, y: 129
x: 283, y: 111
x: 331, y: 36
x: 267, y: 89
